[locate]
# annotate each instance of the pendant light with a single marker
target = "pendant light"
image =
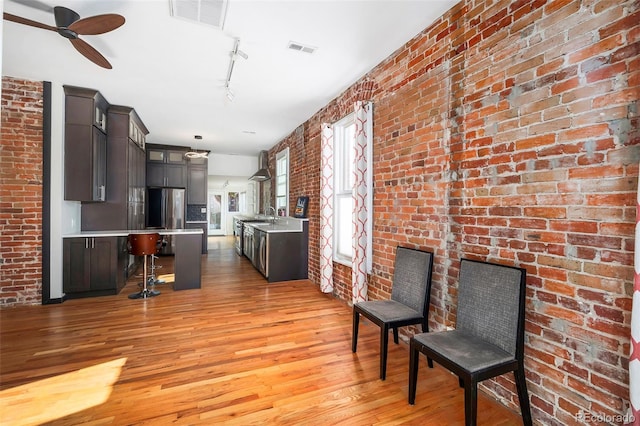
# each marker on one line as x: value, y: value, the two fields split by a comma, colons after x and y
x: 195, y: 153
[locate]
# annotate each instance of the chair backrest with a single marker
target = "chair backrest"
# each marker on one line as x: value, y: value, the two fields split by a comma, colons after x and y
x: 143, y: 244
x: 491, y: 303
x: 412, y: 278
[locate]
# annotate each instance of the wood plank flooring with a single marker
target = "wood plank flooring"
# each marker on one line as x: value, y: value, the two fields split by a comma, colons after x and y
x: 239, y: 351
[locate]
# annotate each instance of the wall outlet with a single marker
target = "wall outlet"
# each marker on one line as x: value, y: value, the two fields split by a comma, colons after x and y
x: 203, y: 210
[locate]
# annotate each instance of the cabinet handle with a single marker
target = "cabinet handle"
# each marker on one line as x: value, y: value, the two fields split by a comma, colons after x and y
x: 86, y: 243
x: 93, y: 243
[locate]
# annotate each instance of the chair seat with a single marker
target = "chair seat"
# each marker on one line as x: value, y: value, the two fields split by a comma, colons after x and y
x: 388, y: 311
x: 469, y: 353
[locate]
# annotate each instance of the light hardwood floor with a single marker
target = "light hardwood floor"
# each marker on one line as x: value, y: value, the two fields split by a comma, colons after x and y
x: 238, y: 351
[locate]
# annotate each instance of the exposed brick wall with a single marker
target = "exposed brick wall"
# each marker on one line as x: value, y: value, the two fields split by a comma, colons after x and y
x: 508, y: 131
x: 21, y: 192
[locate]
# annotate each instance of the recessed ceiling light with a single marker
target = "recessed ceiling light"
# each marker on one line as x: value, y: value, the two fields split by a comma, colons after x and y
x: 299, y: 47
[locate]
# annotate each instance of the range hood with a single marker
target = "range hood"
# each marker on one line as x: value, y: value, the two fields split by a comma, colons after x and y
x: 263, y: 163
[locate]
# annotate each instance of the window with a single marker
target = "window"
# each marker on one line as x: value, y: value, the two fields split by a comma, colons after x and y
x: 343, y: 155
x: 282, y: 182
x: 343, y: 138
x: 243, y: 201
x: 346, y: 198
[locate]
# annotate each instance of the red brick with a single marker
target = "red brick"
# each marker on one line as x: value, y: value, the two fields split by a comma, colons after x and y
x: 511, y: 171
x: 22, y: 204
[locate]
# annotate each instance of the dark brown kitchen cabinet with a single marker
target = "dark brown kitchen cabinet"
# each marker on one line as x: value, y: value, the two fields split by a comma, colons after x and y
x: 91, y: 266
x: 124, y: 203
x: 166, y: 167
x: 204, y: 227
x: 136, y: 188
x: 282, y: 256
x: 197, y: 181
x: 85, y: 145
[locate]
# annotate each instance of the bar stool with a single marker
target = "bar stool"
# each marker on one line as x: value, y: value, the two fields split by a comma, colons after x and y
x: 152, y: 279
x: 144, y: 245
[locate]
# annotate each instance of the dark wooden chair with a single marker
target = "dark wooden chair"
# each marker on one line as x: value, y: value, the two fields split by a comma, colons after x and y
x: 144, y: 245
x: 409, y: 303
x: 488, y: 340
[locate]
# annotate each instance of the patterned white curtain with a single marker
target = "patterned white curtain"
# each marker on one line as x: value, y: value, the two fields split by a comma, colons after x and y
x: 326, y: 209
x: 634, y: 358
x: 360, y: 202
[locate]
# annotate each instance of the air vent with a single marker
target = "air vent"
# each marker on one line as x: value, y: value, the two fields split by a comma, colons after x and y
x: 209, y: 12
x: 299, y: 47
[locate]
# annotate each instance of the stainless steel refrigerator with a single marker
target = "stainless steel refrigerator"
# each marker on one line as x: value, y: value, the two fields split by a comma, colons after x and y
x: 166, y: 210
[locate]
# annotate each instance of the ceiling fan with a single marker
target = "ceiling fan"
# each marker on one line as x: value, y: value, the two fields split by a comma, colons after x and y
x: 69, y: 25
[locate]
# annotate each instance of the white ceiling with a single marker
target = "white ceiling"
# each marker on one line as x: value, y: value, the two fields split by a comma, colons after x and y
x: 173, y: 71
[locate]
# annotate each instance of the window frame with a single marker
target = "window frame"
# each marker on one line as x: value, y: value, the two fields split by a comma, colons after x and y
x: 338, y: 136
x: 284, y: 154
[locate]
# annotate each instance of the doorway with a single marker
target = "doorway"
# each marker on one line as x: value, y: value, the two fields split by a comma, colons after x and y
x: 216, y: 213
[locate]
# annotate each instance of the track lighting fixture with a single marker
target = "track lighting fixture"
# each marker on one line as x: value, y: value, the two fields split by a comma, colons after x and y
x: 234, y: 55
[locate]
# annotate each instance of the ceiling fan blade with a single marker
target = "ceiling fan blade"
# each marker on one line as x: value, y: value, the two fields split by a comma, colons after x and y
x: 25, y: 21
x: 35, y: 4
x: 98, y: 24
x: 90, y: 53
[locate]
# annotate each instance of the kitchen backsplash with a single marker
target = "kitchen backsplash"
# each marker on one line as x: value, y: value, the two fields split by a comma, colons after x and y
x: 196, y: 212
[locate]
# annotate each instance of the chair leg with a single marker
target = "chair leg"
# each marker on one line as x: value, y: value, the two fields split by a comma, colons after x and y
x: 144, y: 274
x: 425, y: 329
x: 153, y: 280
x: 413, y: 372
x: 470, y: 402
x: 354, y: 334
x: 145, y: 292
x: 523, y: 396
x: 395, y: 335
x: 384, y: 343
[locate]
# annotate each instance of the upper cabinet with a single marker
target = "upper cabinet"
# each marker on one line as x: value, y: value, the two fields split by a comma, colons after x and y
x: 166, y: 166
x: 137, y: 131
x: 85, y: 145
x: 156, y: 154
x: 197, y: 180
x: 124, y: 206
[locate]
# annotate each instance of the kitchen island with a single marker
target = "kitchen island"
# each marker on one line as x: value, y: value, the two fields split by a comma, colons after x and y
x: 94, y: 262
x: 280, y: 248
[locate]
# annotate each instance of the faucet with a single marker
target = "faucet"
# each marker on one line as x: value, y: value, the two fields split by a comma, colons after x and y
x: 273, y: 217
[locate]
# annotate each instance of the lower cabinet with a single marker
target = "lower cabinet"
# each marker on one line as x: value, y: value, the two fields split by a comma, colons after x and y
x: 204, y: 227
x: 282, y: 256
x: 94, y: 266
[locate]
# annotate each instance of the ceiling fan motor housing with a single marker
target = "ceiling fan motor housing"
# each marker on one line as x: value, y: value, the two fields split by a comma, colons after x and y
x: 65, y: 17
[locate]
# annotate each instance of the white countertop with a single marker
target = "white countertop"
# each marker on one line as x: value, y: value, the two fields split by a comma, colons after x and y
x: 125, y: 232
x: 281, y: 224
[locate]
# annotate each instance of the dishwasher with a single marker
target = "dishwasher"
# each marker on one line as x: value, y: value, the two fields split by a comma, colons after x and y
x: 248, y: 245
x: 262, y: 252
